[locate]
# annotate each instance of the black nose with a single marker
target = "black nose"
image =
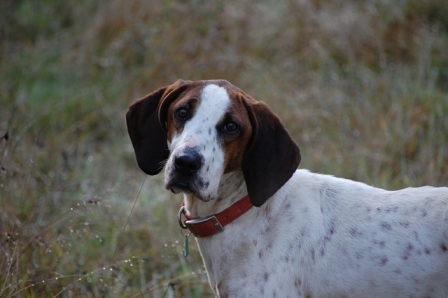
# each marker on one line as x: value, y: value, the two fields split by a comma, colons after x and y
x: 189, y: 163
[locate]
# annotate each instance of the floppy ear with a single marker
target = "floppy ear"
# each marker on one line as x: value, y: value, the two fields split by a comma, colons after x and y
x: 272, y: 155
x: 147, y: 133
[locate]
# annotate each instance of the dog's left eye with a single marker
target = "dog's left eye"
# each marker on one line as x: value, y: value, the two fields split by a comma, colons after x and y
x: 230, y: 127
x: 181, y: 114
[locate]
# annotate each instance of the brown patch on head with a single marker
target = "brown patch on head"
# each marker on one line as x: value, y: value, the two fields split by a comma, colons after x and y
x: 235, y: 145
x: 187, y: 102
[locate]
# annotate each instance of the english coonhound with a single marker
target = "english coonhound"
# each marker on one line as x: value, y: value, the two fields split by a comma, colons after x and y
x: 267, y: 229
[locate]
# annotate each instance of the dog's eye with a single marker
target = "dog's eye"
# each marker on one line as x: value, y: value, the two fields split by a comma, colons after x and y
x: 230, y: 127
x: 181, y: 114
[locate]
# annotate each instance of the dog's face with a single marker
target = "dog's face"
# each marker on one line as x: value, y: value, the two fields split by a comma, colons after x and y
x: 208, y: 130
x: 205, y: 129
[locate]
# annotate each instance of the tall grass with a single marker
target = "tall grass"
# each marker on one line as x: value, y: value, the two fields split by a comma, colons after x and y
x: 362, y: 87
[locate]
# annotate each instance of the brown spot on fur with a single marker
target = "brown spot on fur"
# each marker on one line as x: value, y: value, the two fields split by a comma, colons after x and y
x: 322, y: 252
x: 385, y: 226
x: 266, y: 276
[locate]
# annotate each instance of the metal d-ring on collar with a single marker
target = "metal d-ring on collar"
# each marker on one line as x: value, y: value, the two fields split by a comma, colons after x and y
x: 179, y: 218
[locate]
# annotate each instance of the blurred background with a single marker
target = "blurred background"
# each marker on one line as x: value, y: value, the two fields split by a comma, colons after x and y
x: 362, y: 87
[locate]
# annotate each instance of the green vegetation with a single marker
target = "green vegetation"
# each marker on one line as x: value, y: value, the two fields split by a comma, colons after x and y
x: 362, y: 87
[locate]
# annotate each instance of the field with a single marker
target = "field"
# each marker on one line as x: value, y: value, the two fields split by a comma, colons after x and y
x: 361, y: 86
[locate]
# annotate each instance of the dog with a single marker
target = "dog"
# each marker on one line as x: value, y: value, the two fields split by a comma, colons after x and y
x: 267, y: 229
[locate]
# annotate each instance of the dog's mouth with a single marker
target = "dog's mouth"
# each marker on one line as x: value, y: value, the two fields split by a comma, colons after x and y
x: 178, y: 184
x: 178, y: 187
x: 187, y: 187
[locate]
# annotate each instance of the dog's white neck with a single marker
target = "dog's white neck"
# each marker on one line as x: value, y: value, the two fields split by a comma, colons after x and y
x: 232, y: 188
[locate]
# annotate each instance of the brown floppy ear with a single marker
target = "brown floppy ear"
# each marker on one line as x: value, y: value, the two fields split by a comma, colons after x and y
x: 272, y: 155
x: 147, y: 133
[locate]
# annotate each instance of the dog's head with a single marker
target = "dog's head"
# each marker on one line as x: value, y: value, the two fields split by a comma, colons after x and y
x: 202, y: 130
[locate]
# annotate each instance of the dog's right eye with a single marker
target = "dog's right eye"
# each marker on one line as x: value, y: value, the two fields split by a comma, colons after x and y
x: 181, y: 114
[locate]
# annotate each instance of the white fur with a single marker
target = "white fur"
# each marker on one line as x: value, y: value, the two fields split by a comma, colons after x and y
x: 322, y: 236
x: 318, y: 236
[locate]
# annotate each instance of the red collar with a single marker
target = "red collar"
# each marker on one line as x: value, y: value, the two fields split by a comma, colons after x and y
x: 214, y: 224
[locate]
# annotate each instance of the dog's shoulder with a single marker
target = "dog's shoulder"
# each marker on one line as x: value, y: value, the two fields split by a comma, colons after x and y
x: 309, y: 184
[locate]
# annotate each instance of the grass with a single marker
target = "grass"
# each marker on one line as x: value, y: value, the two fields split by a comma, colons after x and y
x: 362, y: 87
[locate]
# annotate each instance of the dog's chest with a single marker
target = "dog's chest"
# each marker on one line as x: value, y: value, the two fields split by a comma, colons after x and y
x: 265, y: 258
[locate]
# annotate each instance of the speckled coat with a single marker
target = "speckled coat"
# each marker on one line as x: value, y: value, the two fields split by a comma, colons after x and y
x: 321, y: 236
x: 309, y: 235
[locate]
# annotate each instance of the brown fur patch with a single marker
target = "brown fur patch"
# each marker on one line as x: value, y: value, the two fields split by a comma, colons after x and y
x: 235, y: 146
